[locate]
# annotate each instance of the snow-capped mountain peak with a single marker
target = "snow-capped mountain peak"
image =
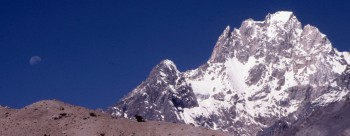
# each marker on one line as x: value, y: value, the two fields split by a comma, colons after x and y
x: 259, y: 74
x: 165, y: 68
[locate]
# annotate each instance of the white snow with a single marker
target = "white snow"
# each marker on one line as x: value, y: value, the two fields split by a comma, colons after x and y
x: 238, y: 72
x: 281, y: 16
x: 162, y: 74
x: 337, y: 67
x: 346, y: 56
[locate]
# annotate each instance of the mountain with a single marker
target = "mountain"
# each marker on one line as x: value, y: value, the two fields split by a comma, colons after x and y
x: 55, y: 118
x: 261, y: 79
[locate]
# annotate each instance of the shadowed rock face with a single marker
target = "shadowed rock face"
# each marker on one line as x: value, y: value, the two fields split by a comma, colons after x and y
x: 164, y: 87
x: 264, y: 76
x: 331, y: 120
x: 54, y: 118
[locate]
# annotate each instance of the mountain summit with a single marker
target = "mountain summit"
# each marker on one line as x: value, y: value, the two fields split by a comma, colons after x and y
x: 261, y: 78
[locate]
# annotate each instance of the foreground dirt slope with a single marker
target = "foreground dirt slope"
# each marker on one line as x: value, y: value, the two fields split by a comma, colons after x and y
x: 55, y: 118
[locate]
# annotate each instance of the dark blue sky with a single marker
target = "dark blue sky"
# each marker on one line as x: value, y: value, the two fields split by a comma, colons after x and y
x: 94, y: 52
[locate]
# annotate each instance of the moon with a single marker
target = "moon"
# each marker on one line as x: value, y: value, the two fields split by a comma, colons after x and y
x: 34, y: 60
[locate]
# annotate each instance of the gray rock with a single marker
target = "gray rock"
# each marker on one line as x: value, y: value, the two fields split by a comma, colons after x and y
x: 268, y: 77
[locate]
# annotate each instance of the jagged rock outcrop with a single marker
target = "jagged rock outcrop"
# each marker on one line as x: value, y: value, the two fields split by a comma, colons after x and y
x: 165, y: 86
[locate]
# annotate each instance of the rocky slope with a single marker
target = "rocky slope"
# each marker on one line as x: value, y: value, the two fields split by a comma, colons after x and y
x: 330, y: 120
x: 54, y: 118
x: 262, y: 77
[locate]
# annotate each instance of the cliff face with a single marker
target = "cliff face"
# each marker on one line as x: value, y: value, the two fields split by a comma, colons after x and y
x: 263, y: 77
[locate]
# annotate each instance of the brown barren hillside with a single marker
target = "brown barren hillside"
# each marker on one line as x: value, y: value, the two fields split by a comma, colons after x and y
x: 55, y: 118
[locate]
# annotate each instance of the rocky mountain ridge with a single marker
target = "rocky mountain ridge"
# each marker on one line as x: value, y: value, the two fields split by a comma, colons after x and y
x: 260, y: 74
